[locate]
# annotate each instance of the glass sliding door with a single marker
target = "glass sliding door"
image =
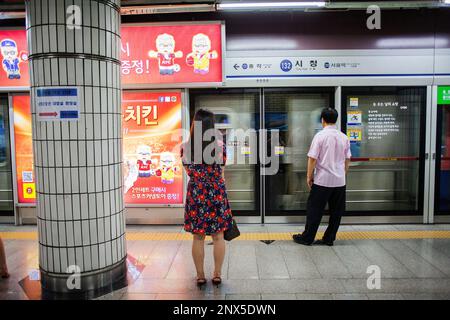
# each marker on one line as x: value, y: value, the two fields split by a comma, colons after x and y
x: 236, y: 111
x: 293, y: 114
x: 6, y: 189
x: 386, y: 128
x: 442, y: 194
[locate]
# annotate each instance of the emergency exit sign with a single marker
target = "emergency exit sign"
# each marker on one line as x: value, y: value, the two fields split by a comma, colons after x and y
x: 444, y: 95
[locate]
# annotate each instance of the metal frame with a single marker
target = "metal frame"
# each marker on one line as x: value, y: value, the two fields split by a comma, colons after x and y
x: 427, y: 210
x: 13, y: 157
x: 431, y: 150
x: 183, y: 84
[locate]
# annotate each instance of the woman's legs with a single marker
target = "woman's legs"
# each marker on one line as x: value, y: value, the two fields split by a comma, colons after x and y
x: 3, y: 267
x: 219, y: 253
x: 198, y: 253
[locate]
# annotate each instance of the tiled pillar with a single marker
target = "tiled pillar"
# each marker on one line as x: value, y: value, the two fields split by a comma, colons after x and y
x: 78, y: 162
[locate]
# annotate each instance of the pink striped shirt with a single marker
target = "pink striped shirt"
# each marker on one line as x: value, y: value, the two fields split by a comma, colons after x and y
x: 330, y: 148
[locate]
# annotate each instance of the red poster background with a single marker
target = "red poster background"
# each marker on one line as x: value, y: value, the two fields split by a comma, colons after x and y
x: 23, y: 145
x: 20, y: 37
x: 157, y: 139
x: 137, y: 41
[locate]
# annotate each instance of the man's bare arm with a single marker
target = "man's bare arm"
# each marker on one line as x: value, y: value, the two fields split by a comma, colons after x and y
x: 310, y: 171
x: 347, y: 165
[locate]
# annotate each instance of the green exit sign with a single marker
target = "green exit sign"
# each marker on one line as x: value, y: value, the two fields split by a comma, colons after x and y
x: 443, y: 95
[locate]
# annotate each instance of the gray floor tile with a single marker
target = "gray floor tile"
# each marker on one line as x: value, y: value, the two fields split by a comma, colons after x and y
x: 426, y: 296
x: 384, y: 296
x: 414, y: 262
x: 413, y: 285
x: 189, y: 297
x: 377, y: 255
x: 271, y: 263
x: 138, y: 296
x: 349, y: 296
x: 426, y: 250
x: 286, y: 296
x: 355, y: 261
x: 299, y: 262
x: 243, y: 297
x: 314, y: 296
x: 242, y: 262
x: 328, y: 263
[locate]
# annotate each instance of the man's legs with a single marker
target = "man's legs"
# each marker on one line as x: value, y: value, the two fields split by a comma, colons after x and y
x: 317, y: 200
x: 336, y: 203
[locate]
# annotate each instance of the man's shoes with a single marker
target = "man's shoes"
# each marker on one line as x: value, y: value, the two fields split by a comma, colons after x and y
x: 323, y: 243
x: 299, y: 239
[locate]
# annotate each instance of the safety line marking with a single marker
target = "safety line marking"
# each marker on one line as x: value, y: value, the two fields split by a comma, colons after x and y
x: 257, y: 236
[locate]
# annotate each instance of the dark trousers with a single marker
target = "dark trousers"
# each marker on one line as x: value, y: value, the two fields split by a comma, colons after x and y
x: 317, y: 200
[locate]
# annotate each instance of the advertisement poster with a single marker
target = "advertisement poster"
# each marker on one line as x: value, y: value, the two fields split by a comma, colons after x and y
x: 170, y: 54
x: 151, y: 146
x: 26, y: 188
x: 14, y: 56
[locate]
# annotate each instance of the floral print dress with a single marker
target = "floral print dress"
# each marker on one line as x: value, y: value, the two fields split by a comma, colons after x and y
x: 207, y: 210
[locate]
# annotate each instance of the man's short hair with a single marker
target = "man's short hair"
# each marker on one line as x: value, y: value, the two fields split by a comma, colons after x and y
x: 329, y: 115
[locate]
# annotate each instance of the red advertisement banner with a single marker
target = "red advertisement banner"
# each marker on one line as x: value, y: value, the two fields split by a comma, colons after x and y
x: 14, y: 55
x: 165, y: 54
x: 151, y: 54
x: 26, y: 187
x: 151, y: 145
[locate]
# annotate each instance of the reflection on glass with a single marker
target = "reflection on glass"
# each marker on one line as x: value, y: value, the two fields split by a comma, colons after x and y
x: 384, y: 130
x: 236, y: 111
x: 444, y: 172
x: 6, y: 194
x: 297, y: 117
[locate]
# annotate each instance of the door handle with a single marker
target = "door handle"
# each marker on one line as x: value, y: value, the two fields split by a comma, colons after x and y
x: 426, y: 155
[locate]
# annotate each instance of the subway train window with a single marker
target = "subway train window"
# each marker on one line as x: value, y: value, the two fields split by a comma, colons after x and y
x: 386, y: 132
x: 443, y: 161
x: 6, y: 190
x: 295, y: 114
x: 235, y: 110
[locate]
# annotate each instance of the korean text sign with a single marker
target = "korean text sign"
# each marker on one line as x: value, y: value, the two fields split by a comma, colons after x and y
x: 152, y: 137
x: 165, y: 54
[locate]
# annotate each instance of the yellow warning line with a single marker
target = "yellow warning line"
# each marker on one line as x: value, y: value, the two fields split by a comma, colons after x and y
x: 255, y: 236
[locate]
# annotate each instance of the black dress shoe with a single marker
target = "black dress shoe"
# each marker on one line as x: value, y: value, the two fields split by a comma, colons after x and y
x: 299, y: 239
x: 323, y: 243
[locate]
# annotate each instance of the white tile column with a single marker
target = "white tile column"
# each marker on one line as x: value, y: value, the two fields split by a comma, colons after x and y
x: 78, y: 164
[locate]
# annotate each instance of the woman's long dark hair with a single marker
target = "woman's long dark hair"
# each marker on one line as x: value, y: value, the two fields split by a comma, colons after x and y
x: 204, y: 120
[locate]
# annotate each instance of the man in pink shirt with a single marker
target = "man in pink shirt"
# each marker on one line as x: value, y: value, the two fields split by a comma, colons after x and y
x: 329, y: 155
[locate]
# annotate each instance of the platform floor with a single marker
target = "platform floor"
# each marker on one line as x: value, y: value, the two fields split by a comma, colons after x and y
x: 414, y: 261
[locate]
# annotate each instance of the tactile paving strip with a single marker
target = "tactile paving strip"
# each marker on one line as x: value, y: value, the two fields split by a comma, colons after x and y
x: 256, y: 236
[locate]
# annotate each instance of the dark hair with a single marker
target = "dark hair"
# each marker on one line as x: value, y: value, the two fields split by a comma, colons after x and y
x: 207, y: 121
x: 329, y: 115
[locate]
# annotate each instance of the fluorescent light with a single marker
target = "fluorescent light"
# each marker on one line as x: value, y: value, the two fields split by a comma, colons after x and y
x: 260, y: 5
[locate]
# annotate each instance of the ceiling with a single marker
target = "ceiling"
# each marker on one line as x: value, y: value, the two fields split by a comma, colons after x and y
x: 19, y: 5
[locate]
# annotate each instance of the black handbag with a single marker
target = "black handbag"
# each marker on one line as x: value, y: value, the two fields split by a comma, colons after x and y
x: 232, y: 232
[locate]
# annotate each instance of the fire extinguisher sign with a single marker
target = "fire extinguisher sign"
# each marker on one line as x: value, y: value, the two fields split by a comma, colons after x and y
x: 57, y: 104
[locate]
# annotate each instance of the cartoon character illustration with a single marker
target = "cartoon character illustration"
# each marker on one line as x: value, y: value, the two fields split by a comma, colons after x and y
x: 166, y: 54
x: 143, y: 167
x: 167, y: 168
x: 11, y: 58
x: 144, y: 162
x: 201, y: 54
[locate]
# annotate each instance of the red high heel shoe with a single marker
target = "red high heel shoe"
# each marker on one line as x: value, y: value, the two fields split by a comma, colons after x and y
x: 216, y: 281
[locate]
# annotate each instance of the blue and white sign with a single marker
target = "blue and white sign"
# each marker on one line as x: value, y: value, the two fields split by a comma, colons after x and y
x: 57, y: 104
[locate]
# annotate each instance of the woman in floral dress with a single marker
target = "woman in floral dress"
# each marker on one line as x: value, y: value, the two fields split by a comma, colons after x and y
x: 207, y: 210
